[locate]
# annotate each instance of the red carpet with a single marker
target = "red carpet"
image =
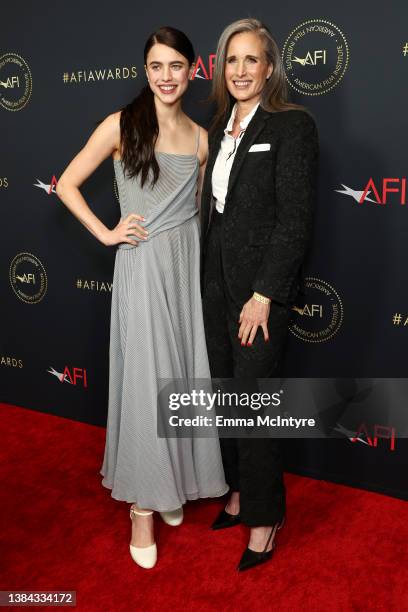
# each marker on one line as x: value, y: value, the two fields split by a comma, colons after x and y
x: 341, y: 548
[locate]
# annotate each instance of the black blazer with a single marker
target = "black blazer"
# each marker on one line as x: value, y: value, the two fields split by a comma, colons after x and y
x: 267, y: 219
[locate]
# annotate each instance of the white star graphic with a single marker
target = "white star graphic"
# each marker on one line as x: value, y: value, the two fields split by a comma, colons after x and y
x: 355, y: 194
x: 44, y: 186
x: 300, y: 60
x: 59, y: 375
x: 349, y: 434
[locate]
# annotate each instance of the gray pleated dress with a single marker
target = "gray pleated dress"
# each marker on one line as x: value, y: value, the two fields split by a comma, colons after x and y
x: 157, y: 332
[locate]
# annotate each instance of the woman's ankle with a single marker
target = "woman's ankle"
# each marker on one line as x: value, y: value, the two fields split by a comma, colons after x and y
x: 141, y: 511
x: 232, y: 506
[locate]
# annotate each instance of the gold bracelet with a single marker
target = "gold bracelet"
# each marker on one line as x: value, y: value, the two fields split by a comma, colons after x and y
x: 261, y: 298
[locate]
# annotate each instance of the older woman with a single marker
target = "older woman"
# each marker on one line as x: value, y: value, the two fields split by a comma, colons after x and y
x: 256, y: 218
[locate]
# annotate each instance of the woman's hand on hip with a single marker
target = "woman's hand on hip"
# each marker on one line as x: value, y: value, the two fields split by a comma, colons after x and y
x: 125, y: 231
x: 254, y: 314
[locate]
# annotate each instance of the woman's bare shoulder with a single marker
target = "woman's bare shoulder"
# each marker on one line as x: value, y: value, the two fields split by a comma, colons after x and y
x: 193, y: 124
x: 114, y: 119
x: 203, y: 132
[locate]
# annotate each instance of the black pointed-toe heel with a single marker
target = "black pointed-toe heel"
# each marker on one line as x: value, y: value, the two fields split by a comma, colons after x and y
x: 224, y: 520
x: 251, y: 558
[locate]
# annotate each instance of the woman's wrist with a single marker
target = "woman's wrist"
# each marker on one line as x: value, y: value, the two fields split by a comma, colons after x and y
x: 261, y: 298
x: 104, y: 236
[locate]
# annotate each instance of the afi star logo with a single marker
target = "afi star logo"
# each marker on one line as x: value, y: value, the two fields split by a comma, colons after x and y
x: 379, y: 431
x: 71, y: 376
x: 312, y: 59
x: 362, y: 435
x: 310, y: 310
x: 47, y: 188
x: 380, y: 192
x: 10, y: 83
x: 26, y: 278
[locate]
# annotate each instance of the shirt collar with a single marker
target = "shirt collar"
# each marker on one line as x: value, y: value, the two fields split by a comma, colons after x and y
x: 242, y: 124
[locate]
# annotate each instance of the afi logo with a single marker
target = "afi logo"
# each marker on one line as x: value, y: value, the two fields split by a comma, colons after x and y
x: 47, y: 188
x: 312, y: 59
x: 11, y: 82
x: 73, y: 377
x: 310, y: 310
x: 379, y: 192
x: 26, y: 278
x: 200, y: 69
x: 400, y: 187
x: 380, y: 431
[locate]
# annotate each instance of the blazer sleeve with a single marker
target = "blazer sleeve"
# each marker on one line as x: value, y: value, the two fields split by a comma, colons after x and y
x: 295, y: 185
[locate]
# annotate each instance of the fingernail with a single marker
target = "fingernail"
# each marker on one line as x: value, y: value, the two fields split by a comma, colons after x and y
x: 267, y: 340
x: 249, y: 344
x: 243, y: 344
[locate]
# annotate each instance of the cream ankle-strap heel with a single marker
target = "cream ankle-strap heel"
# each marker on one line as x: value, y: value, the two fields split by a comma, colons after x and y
x: 144, y: 556
x: 173, y: 517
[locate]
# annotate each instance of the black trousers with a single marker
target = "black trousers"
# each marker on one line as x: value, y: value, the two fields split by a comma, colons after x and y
x: 253, y: 466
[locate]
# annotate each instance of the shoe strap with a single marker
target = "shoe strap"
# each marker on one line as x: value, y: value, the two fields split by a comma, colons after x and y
x: 144, y: 513
x: 281, y: 523
x: 273, y: 530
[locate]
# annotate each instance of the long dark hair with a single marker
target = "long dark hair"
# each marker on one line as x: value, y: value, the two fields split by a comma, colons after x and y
x: 139, y: 127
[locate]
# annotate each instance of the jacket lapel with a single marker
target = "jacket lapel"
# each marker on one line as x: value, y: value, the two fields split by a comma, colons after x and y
x: 206, y: 195
x: 255, y: 126
x: 215, y: 144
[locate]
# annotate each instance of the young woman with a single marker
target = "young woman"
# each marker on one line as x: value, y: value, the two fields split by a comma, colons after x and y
x: 256, y: 215
x: 157, y: 327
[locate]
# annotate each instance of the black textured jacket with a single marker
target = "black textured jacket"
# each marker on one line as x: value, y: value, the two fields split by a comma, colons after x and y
x: 267, y: 219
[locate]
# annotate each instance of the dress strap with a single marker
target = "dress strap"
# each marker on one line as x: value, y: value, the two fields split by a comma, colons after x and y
x: 198, y: 139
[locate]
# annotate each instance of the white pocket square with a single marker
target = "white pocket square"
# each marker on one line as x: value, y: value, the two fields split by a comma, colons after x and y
x: 260, y: 147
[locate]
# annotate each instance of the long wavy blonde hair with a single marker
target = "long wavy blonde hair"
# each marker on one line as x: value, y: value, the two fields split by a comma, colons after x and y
x: 274, y: 97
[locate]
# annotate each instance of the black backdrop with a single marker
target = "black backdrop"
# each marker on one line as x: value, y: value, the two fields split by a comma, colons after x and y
x: 64, y: 66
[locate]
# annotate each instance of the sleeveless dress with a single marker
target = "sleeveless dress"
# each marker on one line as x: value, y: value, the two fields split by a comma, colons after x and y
x: 157, y: 331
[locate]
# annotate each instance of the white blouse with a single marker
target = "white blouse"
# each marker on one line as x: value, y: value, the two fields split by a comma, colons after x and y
x: 225, y: 158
